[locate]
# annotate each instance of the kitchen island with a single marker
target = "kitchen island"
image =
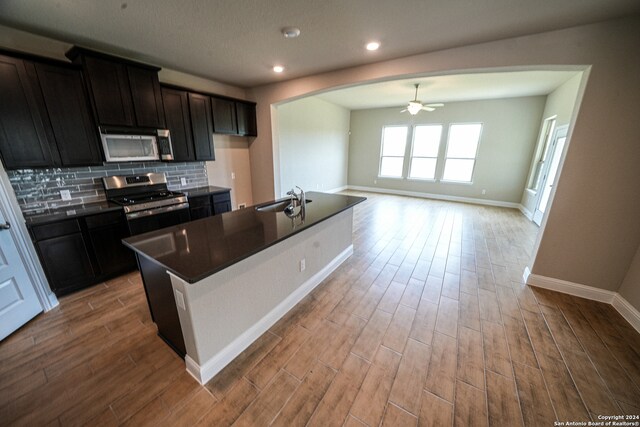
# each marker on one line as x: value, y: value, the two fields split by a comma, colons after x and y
x: 216, y: 284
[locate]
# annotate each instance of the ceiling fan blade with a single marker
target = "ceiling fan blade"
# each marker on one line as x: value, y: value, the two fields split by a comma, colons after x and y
x: 434, y: 105
x: 427, y: 108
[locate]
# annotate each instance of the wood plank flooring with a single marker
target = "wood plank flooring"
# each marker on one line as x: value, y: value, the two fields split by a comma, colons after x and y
x: 428, y: 323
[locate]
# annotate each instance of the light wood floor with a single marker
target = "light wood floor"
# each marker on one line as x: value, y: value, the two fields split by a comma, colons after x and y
x: 428, y: 323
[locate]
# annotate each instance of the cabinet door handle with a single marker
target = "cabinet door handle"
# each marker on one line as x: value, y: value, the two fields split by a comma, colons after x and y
x: 5, y: 226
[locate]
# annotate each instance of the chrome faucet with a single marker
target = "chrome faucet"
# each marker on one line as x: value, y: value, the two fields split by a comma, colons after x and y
x: 296, y: 200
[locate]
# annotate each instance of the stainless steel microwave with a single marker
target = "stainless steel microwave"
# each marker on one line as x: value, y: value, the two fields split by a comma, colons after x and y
x: 136, y: 145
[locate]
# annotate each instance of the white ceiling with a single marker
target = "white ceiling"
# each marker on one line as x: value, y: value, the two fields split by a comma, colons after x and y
x: 449, y: 88
x: 238, y: 41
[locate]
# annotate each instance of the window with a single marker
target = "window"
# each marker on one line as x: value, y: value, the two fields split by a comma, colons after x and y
x: 541, y: 153
x: 424, y: 152
x: 394, y: 141
x: 461, y: 152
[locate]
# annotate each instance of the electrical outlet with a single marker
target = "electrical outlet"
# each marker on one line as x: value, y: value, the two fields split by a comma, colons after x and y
x: 303, y: 264
x: 233, y: 175
x: 183, y: 181
x: 375, y: 181
x: 180, y: 300
x: 242, y: 205
x: 484, y: 191
x: 65, y: 194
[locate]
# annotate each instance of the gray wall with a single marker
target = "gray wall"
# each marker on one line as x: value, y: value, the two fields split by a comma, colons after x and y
x: 560, y: 103
x: 508, y: 137
x: 39, y: 189
x: 314, y: 144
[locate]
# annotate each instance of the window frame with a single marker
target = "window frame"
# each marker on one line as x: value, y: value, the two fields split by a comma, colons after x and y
x: 547, y: 130
x: 411, y: 156
x: 475, y: 157
x: 381, y: 156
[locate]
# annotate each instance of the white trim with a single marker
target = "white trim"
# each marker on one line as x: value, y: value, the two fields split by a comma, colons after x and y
x: 526, y: 273
x: 337, y: 189
x: 25, y: 246
x: 626, y: 310
x: 437, y: 196
x: 622, y: 306
x: 203, y: 373
x: 571, y: 288
x: 526, y: 212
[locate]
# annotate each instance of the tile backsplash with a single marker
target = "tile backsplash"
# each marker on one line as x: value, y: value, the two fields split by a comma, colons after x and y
x: 39, y: 189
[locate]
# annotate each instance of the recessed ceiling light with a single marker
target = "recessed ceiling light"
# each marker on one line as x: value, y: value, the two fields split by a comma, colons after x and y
x: 290, y: 32
x: 278, y: 68
x: 373, y: 46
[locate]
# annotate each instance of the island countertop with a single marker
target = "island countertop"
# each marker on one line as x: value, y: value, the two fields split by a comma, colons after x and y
x: 198, y: 249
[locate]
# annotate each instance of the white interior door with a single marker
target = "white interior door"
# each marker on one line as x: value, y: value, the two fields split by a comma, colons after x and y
x: 550, y: 174
x: 18, y: 299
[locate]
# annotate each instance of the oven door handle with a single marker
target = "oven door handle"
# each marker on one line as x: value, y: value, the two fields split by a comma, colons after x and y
x: 156, y: 211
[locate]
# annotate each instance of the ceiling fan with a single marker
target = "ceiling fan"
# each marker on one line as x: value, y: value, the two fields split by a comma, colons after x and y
x: 416, y: 106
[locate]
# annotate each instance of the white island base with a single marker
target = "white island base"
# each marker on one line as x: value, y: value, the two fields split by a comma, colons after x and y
x: 227, y: 311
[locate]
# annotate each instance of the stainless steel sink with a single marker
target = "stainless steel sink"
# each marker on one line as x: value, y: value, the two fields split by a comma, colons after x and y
x: 277, y: 206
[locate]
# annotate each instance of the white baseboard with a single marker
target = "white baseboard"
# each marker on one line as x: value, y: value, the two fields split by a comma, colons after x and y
x: 526, y: 212
x: 622, y: 306
x: 52, y: 302
x: 203, y: 373
x: 337, y: 189
x: 448, y: 198
x: 627, y: 311
x: 571, y: 288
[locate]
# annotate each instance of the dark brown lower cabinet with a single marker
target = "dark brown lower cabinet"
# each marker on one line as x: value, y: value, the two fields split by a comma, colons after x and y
x: 200, y: 207
x: 106, y: 232
x: 221, y: 203
x: 81, y: 252
x: 66, y: 262
x: 209, y: 204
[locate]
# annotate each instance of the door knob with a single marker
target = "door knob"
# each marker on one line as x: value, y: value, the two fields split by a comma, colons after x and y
x: 5, y: 226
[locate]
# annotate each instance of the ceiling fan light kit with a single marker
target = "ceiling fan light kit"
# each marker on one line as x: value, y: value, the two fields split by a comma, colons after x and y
x: 416, y: 106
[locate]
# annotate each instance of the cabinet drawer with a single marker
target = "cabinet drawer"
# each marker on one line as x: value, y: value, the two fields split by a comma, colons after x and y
x: 101, y: 220
x: 196, y: 202
x: 221, y: 197
x: 62, y: 228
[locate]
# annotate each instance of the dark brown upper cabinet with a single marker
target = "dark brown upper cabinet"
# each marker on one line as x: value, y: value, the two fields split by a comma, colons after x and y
x: 23, y: 138
x: 201, y: 126
x: 224, y: 116
x: 176, y: 112
x: 246, y: 115
x: 147, y: 98
x: 123, y: 93
x: 73, y: 129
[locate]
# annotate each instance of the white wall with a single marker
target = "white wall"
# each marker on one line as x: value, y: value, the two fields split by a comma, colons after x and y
x: 504, y: 154
x: 314, y: 145
x: 232, y: 157
x: 560, y: 103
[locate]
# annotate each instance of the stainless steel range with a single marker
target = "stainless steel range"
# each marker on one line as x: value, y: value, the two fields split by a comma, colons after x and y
x: 147, y: 202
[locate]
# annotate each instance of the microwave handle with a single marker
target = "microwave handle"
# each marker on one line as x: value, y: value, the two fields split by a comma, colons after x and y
x: 155, y: 148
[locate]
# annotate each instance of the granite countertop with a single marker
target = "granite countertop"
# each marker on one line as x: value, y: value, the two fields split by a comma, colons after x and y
x: 198, y: 249
x: 203, y: 191
x: 68, y: 212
